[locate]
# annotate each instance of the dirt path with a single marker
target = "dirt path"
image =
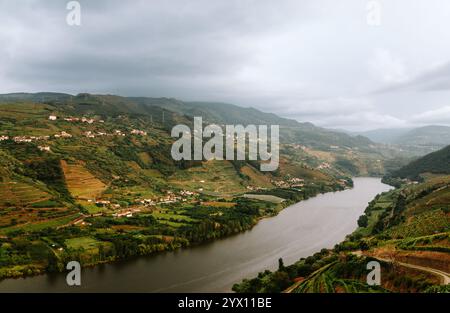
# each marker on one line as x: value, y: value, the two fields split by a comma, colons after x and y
x: 445, y: 277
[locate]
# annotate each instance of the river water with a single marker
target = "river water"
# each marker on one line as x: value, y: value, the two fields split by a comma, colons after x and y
x: 298, y: 231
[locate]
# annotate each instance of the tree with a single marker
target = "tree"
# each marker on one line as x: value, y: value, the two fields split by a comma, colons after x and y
x: 363, y: 221
x: 281, y: 264
x: 52, y: 262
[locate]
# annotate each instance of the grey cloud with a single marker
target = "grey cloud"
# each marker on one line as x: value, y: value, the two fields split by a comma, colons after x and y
x: 434, y: 79
x: 305, y: 59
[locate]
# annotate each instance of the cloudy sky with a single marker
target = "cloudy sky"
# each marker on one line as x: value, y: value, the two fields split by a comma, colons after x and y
x: 338, y: 64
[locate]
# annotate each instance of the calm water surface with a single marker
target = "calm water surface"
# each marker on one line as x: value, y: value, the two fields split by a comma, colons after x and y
x: 298, y: 231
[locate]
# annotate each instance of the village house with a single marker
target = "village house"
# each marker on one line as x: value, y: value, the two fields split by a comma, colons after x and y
x: 139, y: 132
x: 87, y: 120
x: 119, y: 133
x: 2, y: 138
x: 52, y: 117
x: 126, y: 213
x: 324, y: 165
x: 71, y: 119
x: 18, y: 139
x: 44, y: 148
x: 89, y: 134
x: 188, y: 193
x: 63, y: 134
x: 147, y: 202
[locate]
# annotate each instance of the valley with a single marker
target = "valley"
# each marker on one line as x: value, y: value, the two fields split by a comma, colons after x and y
x: 90, y: 178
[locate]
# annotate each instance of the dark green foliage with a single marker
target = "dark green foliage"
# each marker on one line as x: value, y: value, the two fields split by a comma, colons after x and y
x: 437, y: 162
x: 363, y: 221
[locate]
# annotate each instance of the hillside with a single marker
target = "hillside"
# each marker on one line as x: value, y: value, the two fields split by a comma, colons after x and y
x: 438, y: 136
x: 219, y: 113
x: 384, y: 135
x: 434, y: 163
x: 432, y: 135
x: 91, y: 178
x: 406, y: 230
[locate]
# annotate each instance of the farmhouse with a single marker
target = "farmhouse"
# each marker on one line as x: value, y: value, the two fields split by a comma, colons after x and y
x: 139, y: 132
x: 63, y: 134
x: 44, y: 148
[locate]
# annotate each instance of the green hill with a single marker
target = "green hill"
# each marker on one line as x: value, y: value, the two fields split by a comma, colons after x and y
x: 220, y: 113
x: 406, y: 230
x: 96, y: 182
x: 435, y: 163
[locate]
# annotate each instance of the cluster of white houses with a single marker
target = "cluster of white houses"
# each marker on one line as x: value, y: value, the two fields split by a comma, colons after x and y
x: 170, y: 197
x: 324, y: 165
x: 64, y: 134
x: 76, y: 119
x: 19, y: 139
x: 290, y: 182
x: 91, y: 121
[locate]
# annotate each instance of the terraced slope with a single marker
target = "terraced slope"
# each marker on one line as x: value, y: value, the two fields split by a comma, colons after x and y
x: 80, y: 182
x: 18, y: 193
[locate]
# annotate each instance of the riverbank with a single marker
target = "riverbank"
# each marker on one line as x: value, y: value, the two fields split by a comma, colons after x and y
x: 97, y: 244
x: 298, y: 230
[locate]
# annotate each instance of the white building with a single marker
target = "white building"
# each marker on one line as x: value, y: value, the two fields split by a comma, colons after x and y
x: 52, y: 117
x: 44, y: 148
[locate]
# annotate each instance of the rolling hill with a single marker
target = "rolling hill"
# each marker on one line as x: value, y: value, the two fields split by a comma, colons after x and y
x: 219, y: 113
x: 427, y: 136
x: 434, y: 163
x: 91, y: 177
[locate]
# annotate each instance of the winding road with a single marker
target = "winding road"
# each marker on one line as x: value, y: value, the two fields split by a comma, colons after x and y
x: 445, y: 277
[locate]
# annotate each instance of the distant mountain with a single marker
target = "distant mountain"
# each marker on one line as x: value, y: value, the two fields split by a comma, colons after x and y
x: 426, y: 136
x: 433, y: 135
x: 291, y: 131
x: 437, y: 163
x: 384, y: 135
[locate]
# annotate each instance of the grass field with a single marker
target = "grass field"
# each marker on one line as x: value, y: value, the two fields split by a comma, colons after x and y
x: 268, y: 198
x: 87, y: 243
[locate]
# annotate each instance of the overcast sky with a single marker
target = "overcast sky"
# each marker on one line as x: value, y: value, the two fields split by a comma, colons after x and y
x: 321, y: 61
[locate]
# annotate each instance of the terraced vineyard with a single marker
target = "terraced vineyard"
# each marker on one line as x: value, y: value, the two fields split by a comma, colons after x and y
x: 80, y: 182
x: 215, y: 177
x: 21, y: 194
x: 326, y: 280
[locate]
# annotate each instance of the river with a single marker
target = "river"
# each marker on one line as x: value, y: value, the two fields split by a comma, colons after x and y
x: 298, y: 231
